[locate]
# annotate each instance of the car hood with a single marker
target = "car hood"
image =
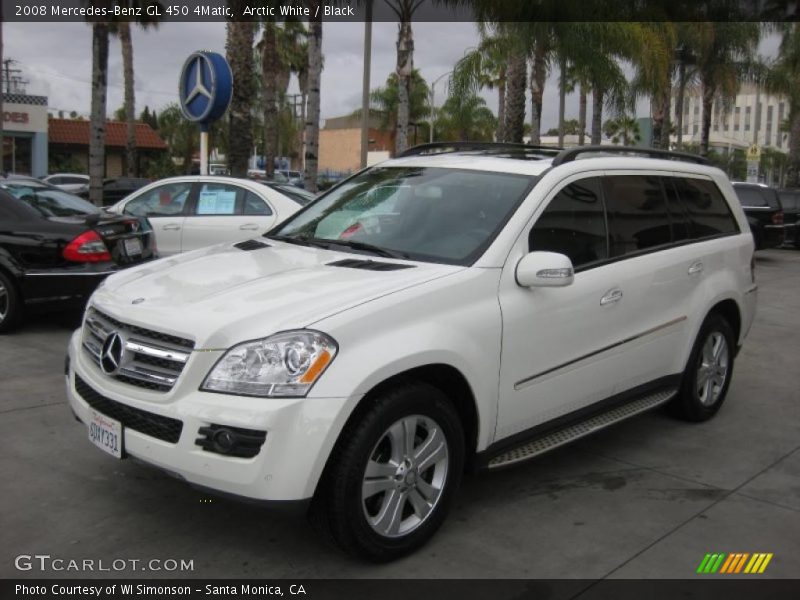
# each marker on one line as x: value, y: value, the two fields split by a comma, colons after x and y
x: 222, y: 295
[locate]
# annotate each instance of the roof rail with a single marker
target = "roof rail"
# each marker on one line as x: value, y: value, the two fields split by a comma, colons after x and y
x: 504, y: 148
x: 571, y: 154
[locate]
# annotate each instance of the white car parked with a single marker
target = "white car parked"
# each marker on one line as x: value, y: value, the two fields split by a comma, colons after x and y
x: 196, y: 211
x: 74, y: 183
x: 469, y: 308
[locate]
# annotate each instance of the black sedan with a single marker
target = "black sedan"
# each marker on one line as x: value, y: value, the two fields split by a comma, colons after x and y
x: 55, y: 248
x: 764, y: 213
x: 790, y: 201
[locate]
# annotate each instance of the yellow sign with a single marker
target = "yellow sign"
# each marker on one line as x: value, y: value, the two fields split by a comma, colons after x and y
x: 754, y: 152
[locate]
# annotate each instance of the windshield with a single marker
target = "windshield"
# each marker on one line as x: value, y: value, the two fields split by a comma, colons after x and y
x: 51, y: 202
x: 420, y: 213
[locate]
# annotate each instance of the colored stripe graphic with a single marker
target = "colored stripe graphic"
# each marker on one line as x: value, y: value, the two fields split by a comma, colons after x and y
x: 741, y: 562
x: 735, y: 562
x: 766, y: 562
x: 726, y: 565
x: 703, y: 563
x: 717, y: 563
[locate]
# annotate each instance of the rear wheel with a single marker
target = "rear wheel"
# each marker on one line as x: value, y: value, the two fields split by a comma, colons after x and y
x: 10, y: 303
x: 708, y: 371
x: 392, y: 477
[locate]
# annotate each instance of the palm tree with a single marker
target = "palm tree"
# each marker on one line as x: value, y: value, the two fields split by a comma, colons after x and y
x: 313, y: 110
x: 723, y: 58
x: 280, y: 49
x: 654, y: 70
x: 622, y: 130
x: 179, y: 133
x: 597, y: 61
x: 404, y: 9
x: 386, y: 100
x: 466, y: 118
x: 517, y: 74
x: 122, y: 29
x: 484, y: 67
x: 97, y: 135
x: 783, y: 78
x: 686, y: 63
x: 239, y: 49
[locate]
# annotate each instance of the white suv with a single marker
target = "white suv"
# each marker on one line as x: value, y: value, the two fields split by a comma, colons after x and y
x: 461, y: 307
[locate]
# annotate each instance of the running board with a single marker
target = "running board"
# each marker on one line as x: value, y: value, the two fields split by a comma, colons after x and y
x: 570, y: 433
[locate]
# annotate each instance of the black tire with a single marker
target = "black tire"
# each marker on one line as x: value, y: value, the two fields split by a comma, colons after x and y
x: 339, y: 511
x: 695, y: 401
x: 10, y: 304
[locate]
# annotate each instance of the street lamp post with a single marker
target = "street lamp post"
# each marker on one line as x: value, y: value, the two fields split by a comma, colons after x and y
x: 433, y: 107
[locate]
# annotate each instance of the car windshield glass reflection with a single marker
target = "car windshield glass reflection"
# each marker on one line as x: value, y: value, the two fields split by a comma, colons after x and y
x: 428, y: 214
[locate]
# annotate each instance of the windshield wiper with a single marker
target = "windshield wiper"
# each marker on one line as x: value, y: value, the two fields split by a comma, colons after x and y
x: 368, y: 248
x: 300, y: 240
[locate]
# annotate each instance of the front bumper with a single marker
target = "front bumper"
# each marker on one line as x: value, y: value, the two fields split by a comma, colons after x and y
x: 300, y: 432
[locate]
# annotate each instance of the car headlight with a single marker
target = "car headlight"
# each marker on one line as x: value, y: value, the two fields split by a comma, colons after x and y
x: 285, y: 364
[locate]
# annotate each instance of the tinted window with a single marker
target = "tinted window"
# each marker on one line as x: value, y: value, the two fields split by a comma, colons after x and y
x: 573, y: 224
x: 708, y: 211
x: 790, y: 200
x: 678, y: 215
x: 637, y: 213
x: 756, y: 196
x: 253, y: 205
x: 162, y: 201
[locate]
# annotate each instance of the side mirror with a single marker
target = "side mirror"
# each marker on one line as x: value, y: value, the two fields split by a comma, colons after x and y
x: 544, y: 269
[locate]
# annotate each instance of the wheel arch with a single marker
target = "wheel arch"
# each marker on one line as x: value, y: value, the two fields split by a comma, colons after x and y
x: 732, y: 313
x: 444, y: 377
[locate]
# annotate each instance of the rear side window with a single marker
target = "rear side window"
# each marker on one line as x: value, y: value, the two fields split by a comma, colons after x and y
x: 253, y: 205
x: 573, y: 224
x: 709, y: 214
x: 637, y: 213
x: 790, y: 200
x: 756, y: 196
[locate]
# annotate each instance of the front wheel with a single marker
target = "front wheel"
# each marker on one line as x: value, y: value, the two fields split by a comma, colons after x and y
x: 708, y: 371
x: 393, y: 474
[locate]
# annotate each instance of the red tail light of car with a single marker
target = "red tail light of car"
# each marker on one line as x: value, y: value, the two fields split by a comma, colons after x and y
x: 777, y: 218
x: 87, y: 247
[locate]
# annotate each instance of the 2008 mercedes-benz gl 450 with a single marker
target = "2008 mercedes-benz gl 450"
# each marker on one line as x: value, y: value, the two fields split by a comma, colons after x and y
x: 455, y: 308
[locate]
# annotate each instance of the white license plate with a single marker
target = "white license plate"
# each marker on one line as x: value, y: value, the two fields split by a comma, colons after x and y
x: 133, y: 246
x: 106, y: 434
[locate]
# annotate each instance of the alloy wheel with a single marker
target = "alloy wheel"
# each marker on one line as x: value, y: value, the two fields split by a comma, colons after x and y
x: 713, y: 369
x: 405, y: 476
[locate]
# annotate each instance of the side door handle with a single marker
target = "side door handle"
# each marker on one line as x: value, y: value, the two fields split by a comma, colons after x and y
x: 696, y: 268
x: 611, y: 297
x: 171, y: 227
x: 249, y: 227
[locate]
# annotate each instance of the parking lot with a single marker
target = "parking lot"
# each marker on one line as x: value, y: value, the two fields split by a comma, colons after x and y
x: 648, y: 498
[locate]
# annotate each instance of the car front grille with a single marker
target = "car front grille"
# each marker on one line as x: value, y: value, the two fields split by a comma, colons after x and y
x: 157, y: 426
x: 149, y: 359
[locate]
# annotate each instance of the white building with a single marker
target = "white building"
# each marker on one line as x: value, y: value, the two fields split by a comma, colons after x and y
x: 754, y: 118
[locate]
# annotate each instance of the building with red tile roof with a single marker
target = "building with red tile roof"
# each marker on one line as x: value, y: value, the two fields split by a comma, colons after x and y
x: 69, y: 142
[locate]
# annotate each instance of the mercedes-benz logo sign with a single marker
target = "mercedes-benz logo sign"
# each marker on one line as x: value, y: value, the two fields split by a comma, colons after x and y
x: 205, y: 87
x: 112, y: 352
x: 200, y: 66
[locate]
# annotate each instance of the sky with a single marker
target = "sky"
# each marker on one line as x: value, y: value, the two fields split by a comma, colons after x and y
x: 56, y: 59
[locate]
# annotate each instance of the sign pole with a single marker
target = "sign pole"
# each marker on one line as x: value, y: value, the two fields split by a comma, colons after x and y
x: 203, y: 150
